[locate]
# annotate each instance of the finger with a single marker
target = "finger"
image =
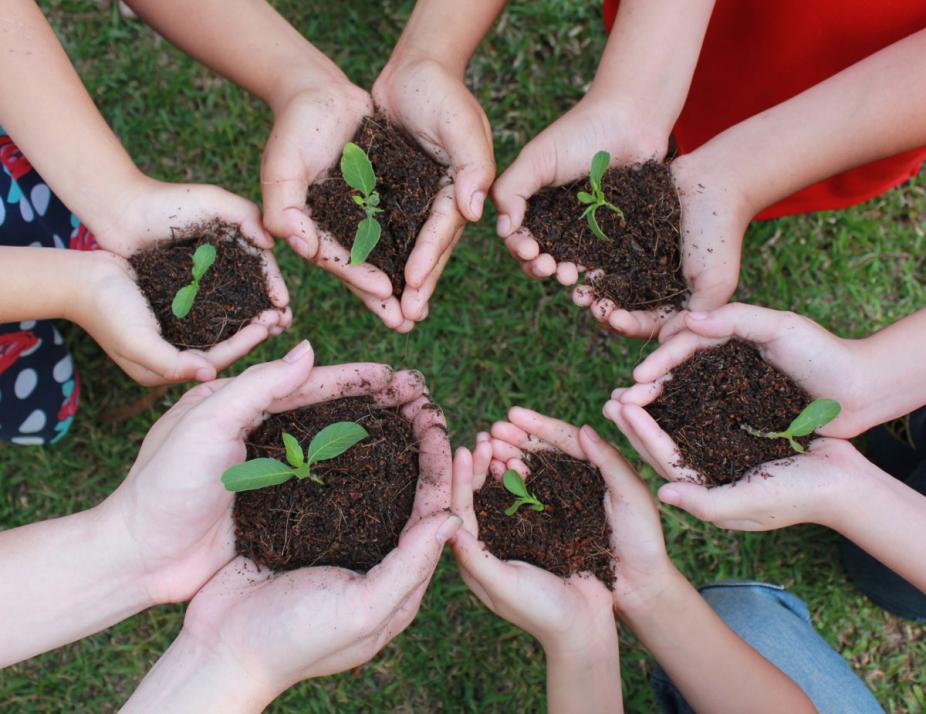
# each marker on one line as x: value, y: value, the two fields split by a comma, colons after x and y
x: 615, y: 412
x: 434, y: 459
x: 159, y: 362
x: 522, y: 245
x: 748, y: 322
x: 567, y: 273
x: 335, y: 382
x: 559, y: 434
x: 637, y: 323
x: 415, y: 300
x: 671, y: 354
x: 724, y: 506
x: 242, y: 402
x: 541, y: 267
x: 388, y: 310
x: 665, y: 454
x: 335, y: 258
x: 405, y: 386
x: 644, y: 394
x: 462, y: 489
x: 490, y: 573
x: 285, y: 214
x: 468, y: 143
x: 247, y: 216
x: 437, y: 234
x: 276, y: 286
x: 617, y: 472
x: 482, y: 458
x: 526, y: 175
x: 672, y: 326
x: 412, y: 563
x: 246, y: 339
x: 583, y: 295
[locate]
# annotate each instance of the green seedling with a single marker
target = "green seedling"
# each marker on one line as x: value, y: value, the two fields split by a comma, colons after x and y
x: 515, y: 485
x: 358, y: 173
x: 330, y: 442
x: 203, y: 259
x: 595, y: 200
x: 816, y: 414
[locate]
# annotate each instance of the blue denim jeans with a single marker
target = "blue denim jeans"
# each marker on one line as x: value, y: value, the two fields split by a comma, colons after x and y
x: 777, y: 624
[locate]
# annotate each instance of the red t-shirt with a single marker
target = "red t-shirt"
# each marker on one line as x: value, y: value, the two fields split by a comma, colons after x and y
x: 759, y: 53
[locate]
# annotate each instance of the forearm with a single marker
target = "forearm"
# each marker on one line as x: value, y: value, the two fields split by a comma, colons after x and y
x: 869, y: 111
x: 893, y: 369
x: 447, y: 31
x: 41, y: 283
x: 586, y: 678
x: 714, y: 669
x: 48, y: 112
x: 651, y: 56
x: 246, y: 41
x: 191, y: 677
x: 884, y: 517
x: 62, y: 580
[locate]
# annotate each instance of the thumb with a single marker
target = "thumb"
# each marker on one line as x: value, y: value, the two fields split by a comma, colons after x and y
x: 284, y: 186
x: 411, y: 564
x: 518, y: 183
x: 159, y: 362
x: 490, y: 573
x: 748, y: 322
x: 701, y: 502
x: 244, y: 399
x: 468, y: 144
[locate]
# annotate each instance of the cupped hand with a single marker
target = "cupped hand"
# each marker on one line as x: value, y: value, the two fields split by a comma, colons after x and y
x: 641, y: 564
x: 435, y: 107
x: 278, y: 629
x: 826, y: 366
x: 174, y: 509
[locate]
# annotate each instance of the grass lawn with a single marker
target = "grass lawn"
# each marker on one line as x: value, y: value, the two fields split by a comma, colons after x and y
x: 494, y: 339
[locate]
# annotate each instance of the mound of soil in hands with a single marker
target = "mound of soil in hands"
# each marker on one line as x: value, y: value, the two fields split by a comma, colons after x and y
x: 642, y: 260
x: 571, y: 536
x: 708, y: 399
x: 231, y: 293
x: 355, y: 518
x: 407, y: 180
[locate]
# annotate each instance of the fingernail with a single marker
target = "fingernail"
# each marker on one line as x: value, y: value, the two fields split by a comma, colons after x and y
x: 298, y: 352
x: 503, y: 227
x: 205, y: 374
x: 299, y: 245
x: 448, y: 529
x: 591, y: 434
x: 698, y: 315
x: 670, y: 495
x: 476, y: 203
x: 609, y: 408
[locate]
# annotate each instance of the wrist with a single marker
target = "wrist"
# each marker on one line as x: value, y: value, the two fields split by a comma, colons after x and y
x: 639, y: 137
x: 849, y: 504
x: 703, y: 170
x: 308, y: 77
x: 194, y: 676
x: 640, y: 598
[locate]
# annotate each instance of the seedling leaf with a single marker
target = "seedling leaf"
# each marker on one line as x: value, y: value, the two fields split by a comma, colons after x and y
x: 514, y: 483
x: 294, y: 454
x: 513, y: 508
x: 593, y: 224
x: 357, y: 169
x: 334, y: 440
x: 183, y: 300
x: 368, y: 233
x: 256, y: 473
x: 600, y: 163
x: 585, y: 198
x: 816, y: 414
x: 203, y: 259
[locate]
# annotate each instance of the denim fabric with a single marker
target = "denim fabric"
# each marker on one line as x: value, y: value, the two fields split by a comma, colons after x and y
x: 777, y: 624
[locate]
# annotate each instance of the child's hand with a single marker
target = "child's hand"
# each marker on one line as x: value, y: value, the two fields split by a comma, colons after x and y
x: 563, y: 614
x: 112, y: 309
x: 823, y: 364
x: 436, y: 108
x: 174, y: 510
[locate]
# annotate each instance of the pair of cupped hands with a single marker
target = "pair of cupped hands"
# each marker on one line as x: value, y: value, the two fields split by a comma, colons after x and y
x: 433, y: 104
x: 170, y: 525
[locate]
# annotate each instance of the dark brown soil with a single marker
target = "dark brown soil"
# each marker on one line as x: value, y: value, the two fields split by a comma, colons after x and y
x: 407, y: 180
x: 642, y: 261
x: 571, y: 536
x: 232, y: 292
x: 715, y: 392
x: 355, y: 518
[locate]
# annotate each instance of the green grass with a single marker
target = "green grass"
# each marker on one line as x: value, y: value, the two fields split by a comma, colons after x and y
x: 494, y: 339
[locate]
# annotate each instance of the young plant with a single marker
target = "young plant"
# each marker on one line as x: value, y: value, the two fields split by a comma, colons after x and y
x: 816, y: 414
x: 203, y: 259
x: 515, y: 485
x: 330, y: 442
x: 358, y: 173
x: 595, y: 200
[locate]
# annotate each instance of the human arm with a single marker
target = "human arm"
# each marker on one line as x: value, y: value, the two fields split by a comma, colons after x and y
x: 629, y: 111
x: 715, y: 670
x: 571, y: 618
x: 422, y: 89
